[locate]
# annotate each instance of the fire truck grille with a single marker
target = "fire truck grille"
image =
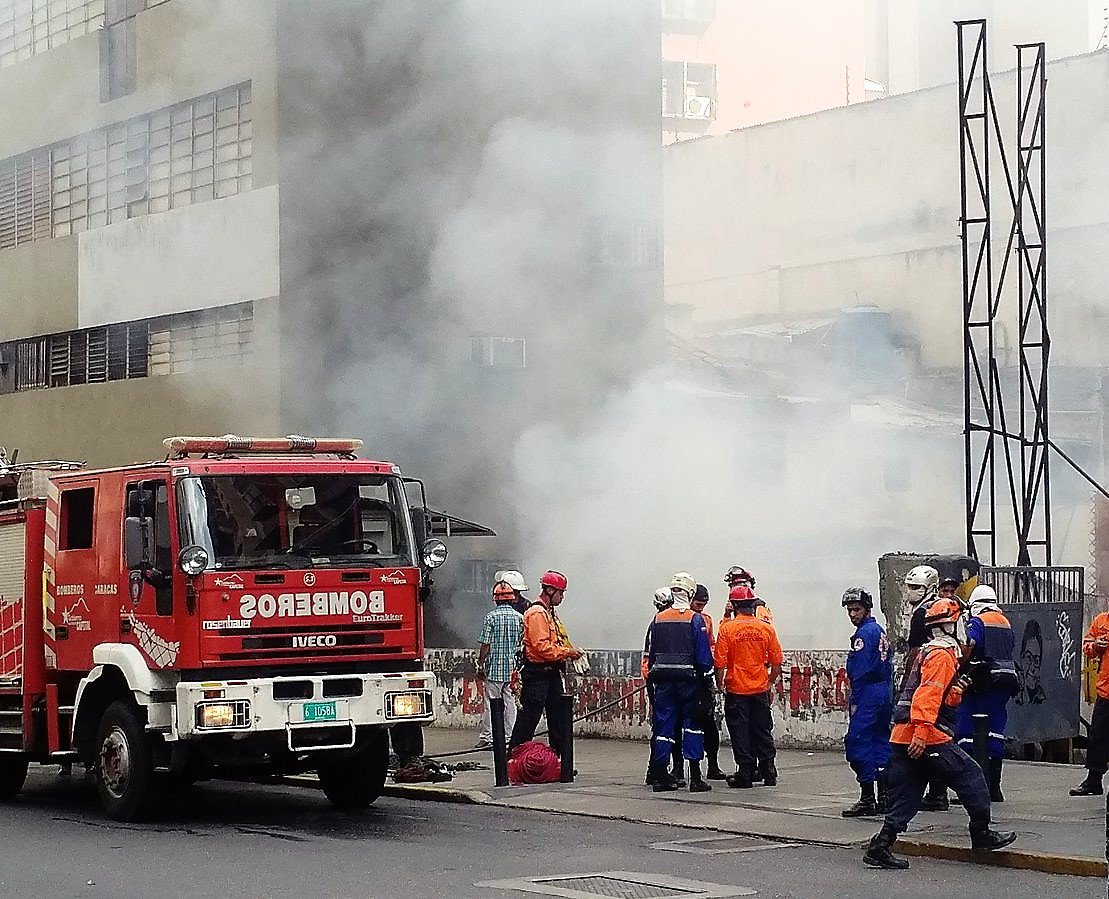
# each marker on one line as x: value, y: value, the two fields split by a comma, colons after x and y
x: 341, y: 640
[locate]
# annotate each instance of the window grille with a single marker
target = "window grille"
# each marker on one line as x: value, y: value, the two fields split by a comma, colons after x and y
x: 210, y: 338
x: 24, y: 198
x: 198, y: 150
x: 28, y: 27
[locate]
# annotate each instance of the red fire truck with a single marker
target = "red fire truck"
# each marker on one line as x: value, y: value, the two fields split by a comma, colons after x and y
x: 244, y: 607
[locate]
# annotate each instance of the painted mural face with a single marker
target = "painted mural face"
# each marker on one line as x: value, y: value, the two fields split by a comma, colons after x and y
x: 1031, y: 662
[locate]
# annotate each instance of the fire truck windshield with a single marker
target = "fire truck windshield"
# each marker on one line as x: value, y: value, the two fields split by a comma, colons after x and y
x: 289, y: 521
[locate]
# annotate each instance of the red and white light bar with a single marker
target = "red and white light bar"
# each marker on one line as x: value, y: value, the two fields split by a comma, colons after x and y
x: 230, y: 443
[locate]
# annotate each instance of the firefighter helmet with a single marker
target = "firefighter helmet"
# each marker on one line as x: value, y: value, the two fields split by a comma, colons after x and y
x: 923, y: 576
x: 684, y: 582
x: 503, y: 592
x: 941, y: 612
x: 739, y: 575
x: 741, y: 593
x: 553, y: 579
x: 513, y: 578
x: 857, y: 594
x: 663, y: 598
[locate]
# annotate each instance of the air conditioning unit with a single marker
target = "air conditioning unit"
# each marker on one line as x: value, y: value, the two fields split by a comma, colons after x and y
x: 699, y: 107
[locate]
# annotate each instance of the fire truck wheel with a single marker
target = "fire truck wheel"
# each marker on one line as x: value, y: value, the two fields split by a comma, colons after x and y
x: 355, y: 782
x: 124, y: 767
x: 13, y: 772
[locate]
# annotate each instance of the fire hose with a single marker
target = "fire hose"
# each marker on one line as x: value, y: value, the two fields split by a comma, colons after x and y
x: 581, y: 717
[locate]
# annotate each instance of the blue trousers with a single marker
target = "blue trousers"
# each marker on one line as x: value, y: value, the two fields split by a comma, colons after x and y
x: 994, y: 705
x: 946, y: 762
x: 676, y: 707
x: 868, y: 740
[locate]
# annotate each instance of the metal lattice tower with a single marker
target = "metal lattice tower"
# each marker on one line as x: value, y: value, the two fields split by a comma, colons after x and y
x: 995, y: 457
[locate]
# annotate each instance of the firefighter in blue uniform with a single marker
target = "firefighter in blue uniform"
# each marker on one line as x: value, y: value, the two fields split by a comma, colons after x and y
x: 983, y: 714
x: 870, y: 671
x: 678, y: 658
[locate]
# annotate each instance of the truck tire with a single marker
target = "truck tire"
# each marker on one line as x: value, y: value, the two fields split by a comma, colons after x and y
x: 13, y: 774
x: 124, y: 766
x: 354, y: 783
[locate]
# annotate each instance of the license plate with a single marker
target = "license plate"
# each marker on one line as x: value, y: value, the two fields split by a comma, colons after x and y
x: 319, y: 711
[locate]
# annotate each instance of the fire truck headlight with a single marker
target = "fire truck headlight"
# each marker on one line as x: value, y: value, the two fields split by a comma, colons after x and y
x: 407, y: 705
x: 193, y: 559
x: 434, y: 553
x: 216, y: 714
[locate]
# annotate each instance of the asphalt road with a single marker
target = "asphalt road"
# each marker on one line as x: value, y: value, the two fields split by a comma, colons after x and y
x: 237, y: 840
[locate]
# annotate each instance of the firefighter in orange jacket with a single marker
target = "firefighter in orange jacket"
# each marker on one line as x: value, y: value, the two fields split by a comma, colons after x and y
x: 1094, y: 645
x: 546, y: 652
x: 922, y: 744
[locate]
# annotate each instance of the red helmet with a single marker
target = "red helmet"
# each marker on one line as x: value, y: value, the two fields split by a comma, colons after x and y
x: 741, y: 593
x: 553, y: 579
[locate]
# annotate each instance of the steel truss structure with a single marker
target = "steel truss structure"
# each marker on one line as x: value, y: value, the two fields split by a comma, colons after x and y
x: 997, y: 459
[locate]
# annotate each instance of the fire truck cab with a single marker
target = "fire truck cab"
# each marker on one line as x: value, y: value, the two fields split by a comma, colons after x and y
x: 244, y: 607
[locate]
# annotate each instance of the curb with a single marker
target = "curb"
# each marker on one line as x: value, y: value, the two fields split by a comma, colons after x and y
x: 1023, y: 861
x: 436, y: 794
x: 1076, y: 866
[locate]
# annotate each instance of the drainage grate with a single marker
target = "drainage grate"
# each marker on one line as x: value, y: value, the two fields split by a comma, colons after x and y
x: 603, y: 885
x: 619, y: 885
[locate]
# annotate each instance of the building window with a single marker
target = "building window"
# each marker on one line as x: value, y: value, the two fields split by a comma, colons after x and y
x: 688, y: 91
x: 24, y: 198
x: 211, y: 338
x: 198, y: 150
x: 499, y: 352
x: 28, y: 27
x: 624, y: 244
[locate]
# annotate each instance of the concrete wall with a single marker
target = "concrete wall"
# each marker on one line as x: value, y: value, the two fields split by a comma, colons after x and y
x: 211, y: 254
x: 810, y: 705
x: 860, y: 205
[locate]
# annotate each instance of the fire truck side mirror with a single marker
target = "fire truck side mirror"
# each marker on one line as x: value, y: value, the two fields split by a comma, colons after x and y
x: 137, y: 540
x: 419, y: 524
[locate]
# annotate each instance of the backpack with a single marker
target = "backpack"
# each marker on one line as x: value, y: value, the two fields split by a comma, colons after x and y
x: 534, y: 763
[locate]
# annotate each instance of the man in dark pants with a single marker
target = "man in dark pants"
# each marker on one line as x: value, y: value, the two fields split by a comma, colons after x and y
x: 1094, y: 645
x: 923, y: 745
x: 546, y: 652
x: 748, y: 660
x: 708, y: 696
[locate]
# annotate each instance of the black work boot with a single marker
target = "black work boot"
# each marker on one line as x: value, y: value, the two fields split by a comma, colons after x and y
x: 878, y: 854
x: 696, y: 783
x: 756, y: 773
x: 679, y: 774
x: 866, y: 804
x: 982, y: 838
x: 649, y: 780
x: 995, y: 781
x: 741, y: 779
x: 663, y: 781
x: 935, y: 802
x: 769, y: 775
x: 714, y: 770
x: 1091, y: 786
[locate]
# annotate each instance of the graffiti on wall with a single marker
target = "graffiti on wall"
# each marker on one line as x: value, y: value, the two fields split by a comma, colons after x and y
x: 810, y: 707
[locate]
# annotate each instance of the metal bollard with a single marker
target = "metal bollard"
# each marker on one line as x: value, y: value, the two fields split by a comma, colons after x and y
x: 982, y: 742
x: 568, y: 739
x: 500, y: 754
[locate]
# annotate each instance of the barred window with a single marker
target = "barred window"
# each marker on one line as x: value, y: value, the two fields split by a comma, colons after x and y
x: 24, y: 198
x: 28, y: 27
x: 195, y: 151
x: 109, y: 353
x: 171, y: 344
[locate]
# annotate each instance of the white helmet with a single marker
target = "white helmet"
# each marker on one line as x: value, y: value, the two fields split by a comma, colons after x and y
x: 663, y: 598
x: 513, y: 578
x: 683, y: 581
x: 982, y: 598
x: 924, y: 578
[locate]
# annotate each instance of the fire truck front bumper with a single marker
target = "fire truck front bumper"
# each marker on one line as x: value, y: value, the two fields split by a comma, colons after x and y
x: 314, y: 713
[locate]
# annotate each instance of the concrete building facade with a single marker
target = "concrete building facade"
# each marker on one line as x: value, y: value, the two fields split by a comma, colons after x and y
x: 268, y: 216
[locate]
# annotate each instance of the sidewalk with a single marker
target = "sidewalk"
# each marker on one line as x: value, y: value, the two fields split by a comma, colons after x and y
x: 1056, y: 833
